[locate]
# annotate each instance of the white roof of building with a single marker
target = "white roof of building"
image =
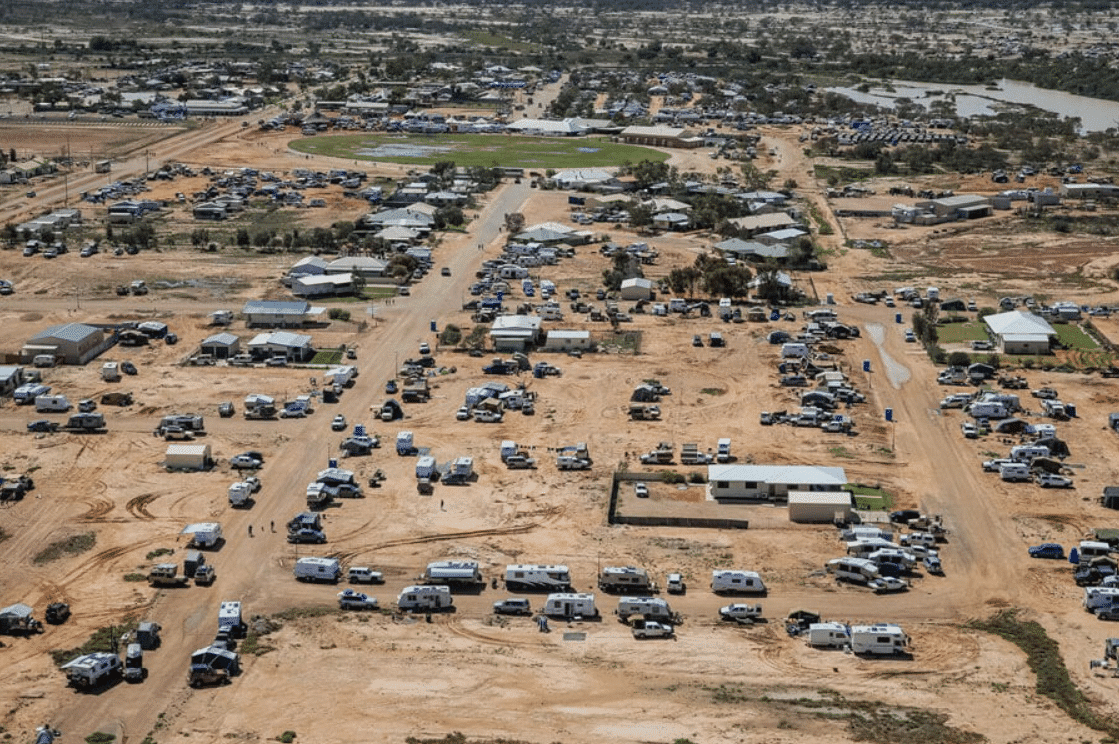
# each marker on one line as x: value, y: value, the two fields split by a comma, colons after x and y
x: 282, y: 338
x: 188, y: 450
x: 315, y: 279
x: 569, y: 334
x: 637, y: 281
x: 513, y: 325
x: 636, y: 131
x: 1018, y: 323
x: 805, y: 475
x: 357, y: 263
x: 834, y: 498
x: 221, y: 339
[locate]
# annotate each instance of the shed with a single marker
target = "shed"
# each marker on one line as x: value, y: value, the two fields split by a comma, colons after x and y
x: 637, y: 288
x: 322, y: 285
x: 1020, y: 332
x: 560, y: 340
x: 188, y: 457
x: 820, y: 506
x: 70, y: 343
x: 221, y: 346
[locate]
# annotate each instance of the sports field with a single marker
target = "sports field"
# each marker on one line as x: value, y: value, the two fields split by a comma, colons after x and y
x: 486, y: 150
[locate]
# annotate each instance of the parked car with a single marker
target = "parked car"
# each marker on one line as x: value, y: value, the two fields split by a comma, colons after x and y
x: 1047, y: 550
x: 293, y: 412
x: 128, y: 368
x: 425, y: 349
x: 640, y: 490
x: 909, y: 337
x: 970, y: 430
x: 42, y: 425
x: 903, y: 516
x: 348, y: 599
x: 1052, y: 480
x: 463, y: 414
x: 512, y: 606
x: 225, y: 410
x: 887, y: 584
x: 307, y: 535
x: 391, y: 387
x: 445, y: 271
x: 244, y: 462
x: 1045, y: 393
x: 276, y: 361
x: 992, y: 466
x: 674, y: 584
x: 651, y: 629
x: 339, y: 423
x: 1108, y: 613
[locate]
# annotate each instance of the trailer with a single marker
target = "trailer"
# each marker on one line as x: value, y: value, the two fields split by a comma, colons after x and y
x: 644, y: 412
x: 405, y: 445
x: 425, y: 599
x: 167, y: 574
x: 328, y: 570
x: 134, y: 670
x: 570, y: 605
x: 27, y: 394
x: 17, y: 619
x: 882, y: 639
x: 857, y: 570
x: 203, y: 535
x: 229, y: 619
x: 722, y: 454
x: 625, y: 579
x: 454, y: 573
x: 92, y: 669
x: 525, y: 577
x: 86, y: 422
x: 648, y: 608
x: 462, y: 470
x: 828, y: 635
x: 240, y: 494
x: 736, y: 582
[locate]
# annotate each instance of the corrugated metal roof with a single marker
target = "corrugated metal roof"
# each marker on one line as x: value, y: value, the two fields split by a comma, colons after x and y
x: 74, y: 332
x: 808, y: 475
x: 275, y: 307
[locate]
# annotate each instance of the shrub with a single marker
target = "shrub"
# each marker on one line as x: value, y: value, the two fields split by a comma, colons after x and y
x: 287, y: 737
x: 337, y: 313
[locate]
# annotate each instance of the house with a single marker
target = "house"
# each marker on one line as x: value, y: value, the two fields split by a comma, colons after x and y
x: 659, y: 136
x: 785, y: 235
x: 582, y: 178
x: 753, y: 251
x: 295, y: 347
x: 963, y: 207
x: 637, y: 288
x: 671, y: 221
x: 307, y: 266
x: 1020, y: 332
x: 221, y: 346
x: 759, y: 223
x: 278, y: 313
x: 772, y: 483
x: 821, y: 506
x: 563, y: 341
x: 515, y: 332
x: 363, y: 266
x: 69, y: 343
x: 327, y: 285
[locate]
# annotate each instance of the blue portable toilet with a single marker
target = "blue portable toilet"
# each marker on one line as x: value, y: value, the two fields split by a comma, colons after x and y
x: 433, y: 327
x: 775, y: 315
x: 897, y: 317
x: 781, y: 368
x: 332, y: 463
x: 866, y: 365
x: 1070, y: 409
x: 889, y: 414
x: 1074, y: 557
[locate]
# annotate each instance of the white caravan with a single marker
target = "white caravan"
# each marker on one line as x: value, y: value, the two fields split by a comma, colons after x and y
x: 453, y: 572
x: 425, y: 598
x: 877, y: 640
x: 650, y: 608
x: 521, y: 577
x: 736, y: 582
x: 569, y: 604
x: 828, y: 635
x: 311, y: 568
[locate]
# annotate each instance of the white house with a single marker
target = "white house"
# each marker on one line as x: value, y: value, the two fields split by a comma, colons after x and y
x: 295, y: 347
x: 284, y: 314
x: 1020, y: 332
x: 637, y: 288
x: 515, y: 332
x: 820, y: 506
x: 325, y: 285
x: 772, y: 483
x: 561, y: 340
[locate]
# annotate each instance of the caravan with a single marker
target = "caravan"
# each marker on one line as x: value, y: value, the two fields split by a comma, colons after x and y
x: 878, y: 639
x: 51, y: 403
x: 424, y: 599
x: 625, y: 579
x: 858, y: 570
x: 229, y: 619
x: 736, y: 582
x: 519, y: 577
x: 328, y: 570
x: 650, y: 608
x: 570, y: 605
x: 463, y: 573
x: 828, y: 635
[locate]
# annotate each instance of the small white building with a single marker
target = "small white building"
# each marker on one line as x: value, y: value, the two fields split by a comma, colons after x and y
x: 637, y: 288
x: 325, y: 285
x: 820, y: 506
x: 1020, y: 332
x: 515, y: 332
x: 221, y: 346
x: 295, y: 347
x: 563, y: 341
x: 181, y: 456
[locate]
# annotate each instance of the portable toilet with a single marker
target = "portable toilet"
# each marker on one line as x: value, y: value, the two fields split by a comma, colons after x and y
x: 897, y: 317
x: 866, y: 365
x: 889, y: 414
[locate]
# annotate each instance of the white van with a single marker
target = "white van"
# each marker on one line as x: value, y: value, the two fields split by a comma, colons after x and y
x: 425, y: 598
x: 736, y: 582
x: 51, y: 403
x: 828, y: 635
x: 327, y: 570
x: 44, y: 360
x: 878, y: 640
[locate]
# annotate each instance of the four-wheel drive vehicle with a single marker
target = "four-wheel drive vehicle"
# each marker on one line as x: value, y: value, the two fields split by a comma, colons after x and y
x: 969, y: 430
x: 1052, y: 480
x: 128, y: 368
x: 568, y: 462
x: 992, y: 466
x: 674, y: 584
x: 339, y: 423
x: 390, y: 387
x: 513, y: 606
x: 932, y: 565
x: 651, y: 629
x: 244, y: 462
x: 348, y: 599
x: 42, y: 425
x: 640, y: 490
x: 902, y: 516
x: 204, y: 575
x: 364, y: 575
x: 57, y: 613
x: 520, y: 462
x: 887, y: 584
x: 1047, y: 550
x: 306, y: 535
x: 1044, y: 393
x: 740, y: 612
x: 1108, y: 613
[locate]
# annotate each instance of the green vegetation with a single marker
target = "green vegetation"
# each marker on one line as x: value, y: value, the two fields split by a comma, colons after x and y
x: 714, y: 392
x: 1074, y: 337
x: 481, y: 150
x: 871, y: 497
x: 287, y: 737
x: 1043, y: 656
x: 101, y: 640
x: 958, y: 333
x: 100, y: 737
x: 253, y: 645
x: 151, y: 556
x: 327, y: 356
x: 135, y: 577
x: 73, y: 545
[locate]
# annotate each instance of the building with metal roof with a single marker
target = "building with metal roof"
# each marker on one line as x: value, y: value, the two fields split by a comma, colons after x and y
x: 1020, y: 332
x: 68, y: 343
x: 279, y: 313
x: 772, y: 483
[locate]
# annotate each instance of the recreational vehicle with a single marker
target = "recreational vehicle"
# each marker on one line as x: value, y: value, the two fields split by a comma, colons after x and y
x: 858, y: 570
x: 424, y: 598
x: 537, y: 578
x: 569, y: 604
x: 650, y: 608
x: 1097, y: 597
x: 828, y: 635
x: 51, y: 403
x: 1089, y: 550
x: 229, y: 619
x: 454, y: 573
x: 875, y: 640
x: 318, y: 569
x: 736, y: 582
x: 625, y: 579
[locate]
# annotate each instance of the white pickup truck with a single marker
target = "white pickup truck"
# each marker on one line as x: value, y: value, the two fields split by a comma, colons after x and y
x: 740, y: 612
x: 651, y: 629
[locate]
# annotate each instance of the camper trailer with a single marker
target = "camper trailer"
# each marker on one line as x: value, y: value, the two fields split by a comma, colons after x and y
x: 318, y: 569
x: 1099, y: 597
x: 1089, y: 550
x: 424, y: 599
x: 134, y: 663
x: 229, y: 619
x: 649, y: 608
x: 454, y: 573
x: 736, y: 582
x: 570, y: 605
x: 857, y: 570
x: 866, y: 532
x: 625, y: 579
x: 519, y: 577
x: 204, y: 535
x: 828, y: 635
x: 863, y: 547
x: 51, y: 404
x: 878, y: 640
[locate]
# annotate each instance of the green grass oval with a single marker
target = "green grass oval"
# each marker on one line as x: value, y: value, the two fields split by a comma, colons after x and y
x: 487, y: 150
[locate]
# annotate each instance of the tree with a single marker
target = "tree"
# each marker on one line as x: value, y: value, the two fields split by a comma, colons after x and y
x: 242, y: 237
x: 959, y: 359
x: 451, y: 335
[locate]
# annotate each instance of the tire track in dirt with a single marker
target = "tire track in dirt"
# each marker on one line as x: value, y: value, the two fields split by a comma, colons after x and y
x: 455, y: 625
x: 347, y: 555
x: 138, y: 506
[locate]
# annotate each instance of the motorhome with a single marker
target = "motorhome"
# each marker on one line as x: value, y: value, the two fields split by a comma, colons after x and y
x: 650, y: 608
x: 863, y: 547
x: 736, y: 582
x: 828, y: 635
x: 879, y: 639
x: 327, y: 570
x: 424, y: 598
x: 229, y: 619
x: 986, y: 409
x: 1014, y: 471
x: 625, y: 579
x: 1097, y: 597
x: 425, y: 467
x: 203, y: 535
x: 570, y: 604
x: 1089, y: 550
x: 454, y: 573
x: 134, y: 663
x: 522, y: 577
x: 1027, y: 452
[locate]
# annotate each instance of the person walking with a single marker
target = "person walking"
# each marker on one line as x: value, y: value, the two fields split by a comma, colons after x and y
x: 250, y: 530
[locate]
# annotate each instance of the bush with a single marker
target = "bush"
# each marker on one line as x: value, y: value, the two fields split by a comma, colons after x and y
x: 287, y: 737
x: 100, y: 737
x: 697, y: 478
x: 337, y: 313
x: 959, y: 359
